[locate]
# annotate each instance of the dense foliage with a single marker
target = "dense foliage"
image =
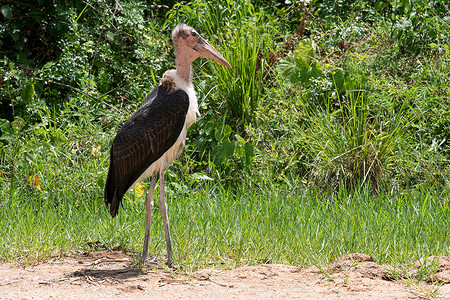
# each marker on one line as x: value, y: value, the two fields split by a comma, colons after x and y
x: 321, y: 92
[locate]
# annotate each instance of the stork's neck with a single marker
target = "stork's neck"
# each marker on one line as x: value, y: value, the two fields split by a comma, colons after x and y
x: 184, y: 69
x: 185, y: 55
x: 184, y: 65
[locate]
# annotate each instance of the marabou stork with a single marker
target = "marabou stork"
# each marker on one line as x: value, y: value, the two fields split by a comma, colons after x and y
x: 155, y: 135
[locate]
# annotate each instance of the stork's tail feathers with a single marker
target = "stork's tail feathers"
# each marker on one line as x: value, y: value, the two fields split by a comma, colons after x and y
x: 111, y: 196
x: 113, y: 203
x: 114, y: 208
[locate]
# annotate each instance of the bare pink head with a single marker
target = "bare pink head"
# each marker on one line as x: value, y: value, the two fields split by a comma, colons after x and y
x: 189, y: 46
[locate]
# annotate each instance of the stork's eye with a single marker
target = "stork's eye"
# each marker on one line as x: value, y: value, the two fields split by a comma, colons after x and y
x: 194, y: 34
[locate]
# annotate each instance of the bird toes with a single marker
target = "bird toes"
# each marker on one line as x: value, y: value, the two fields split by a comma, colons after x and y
x: 147, y: 261
x: 171, y: 265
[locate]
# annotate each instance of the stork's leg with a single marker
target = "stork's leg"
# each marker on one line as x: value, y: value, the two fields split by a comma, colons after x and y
x: 163, y: 209
x: 148, y: 217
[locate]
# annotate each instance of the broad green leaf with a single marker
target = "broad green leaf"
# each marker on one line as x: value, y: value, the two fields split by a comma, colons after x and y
x: 305, y: 51
x: 338, y: 80
x: 288, y: 69
x: 379, y: 5
x: 7, y: 11
x: 227, y: 150
x: 300, y: 67
x: 249, y: 152
x: 313, y: 71
x: 47, y: 66
x: 99, y: 63
x: 27, y: 93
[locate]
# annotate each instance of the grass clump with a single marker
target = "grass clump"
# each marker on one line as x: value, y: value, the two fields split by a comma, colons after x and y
x: 355, y: 145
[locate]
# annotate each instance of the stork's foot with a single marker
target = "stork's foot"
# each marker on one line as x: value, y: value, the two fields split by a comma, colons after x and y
x: 147, y: 261
x: 154, y: 262
x: 171, y: 265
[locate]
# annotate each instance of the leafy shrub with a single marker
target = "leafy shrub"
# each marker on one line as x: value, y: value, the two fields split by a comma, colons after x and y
x: 302, y: 66
x: 316, y: 88
x: 100, y: 52
x: 333, y: 11
x: 418, y: 23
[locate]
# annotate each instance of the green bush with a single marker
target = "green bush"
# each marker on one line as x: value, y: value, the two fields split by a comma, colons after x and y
x: 315, y: 87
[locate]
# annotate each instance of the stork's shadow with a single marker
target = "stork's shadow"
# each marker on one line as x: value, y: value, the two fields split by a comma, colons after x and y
x: 106, y: 264
x: 123, y: 273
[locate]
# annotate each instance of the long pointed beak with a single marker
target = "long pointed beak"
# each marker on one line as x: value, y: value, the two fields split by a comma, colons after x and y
x: 206, y: 50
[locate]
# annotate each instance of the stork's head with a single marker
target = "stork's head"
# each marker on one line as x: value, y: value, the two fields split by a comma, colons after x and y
x: 189, y: 45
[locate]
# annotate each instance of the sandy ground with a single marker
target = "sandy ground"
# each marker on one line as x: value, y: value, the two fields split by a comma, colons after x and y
x: 110, y: 275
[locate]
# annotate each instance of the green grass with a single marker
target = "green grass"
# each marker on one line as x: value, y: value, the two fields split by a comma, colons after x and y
x: 220, y: 226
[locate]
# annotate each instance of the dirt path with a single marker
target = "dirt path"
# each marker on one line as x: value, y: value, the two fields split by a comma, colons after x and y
x: 109, y: 275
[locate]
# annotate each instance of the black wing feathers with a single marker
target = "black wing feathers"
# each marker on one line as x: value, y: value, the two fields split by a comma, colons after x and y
x: 143, y: 139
